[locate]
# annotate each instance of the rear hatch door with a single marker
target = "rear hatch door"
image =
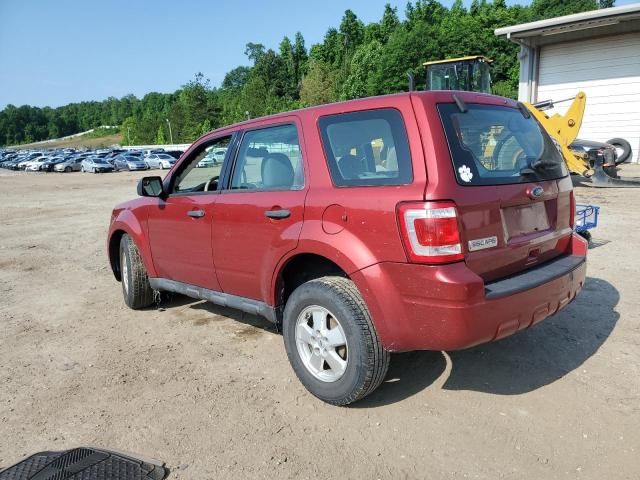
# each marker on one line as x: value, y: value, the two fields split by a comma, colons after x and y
x: 510, y: 185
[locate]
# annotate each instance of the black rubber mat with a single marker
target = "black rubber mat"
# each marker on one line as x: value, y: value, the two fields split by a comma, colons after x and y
x: 83, y: 464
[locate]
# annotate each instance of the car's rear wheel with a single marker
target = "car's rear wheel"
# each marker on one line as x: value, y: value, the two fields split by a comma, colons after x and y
x: 135, y: 283
x: 331, y: 342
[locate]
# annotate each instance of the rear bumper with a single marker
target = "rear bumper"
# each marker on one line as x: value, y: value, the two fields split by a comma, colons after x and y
x: 449, y: 307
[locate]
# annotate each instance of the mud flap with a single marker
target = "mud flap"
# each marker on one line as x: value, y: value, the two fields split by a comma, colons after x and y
x: 84, y: 463
x: 600, y: 178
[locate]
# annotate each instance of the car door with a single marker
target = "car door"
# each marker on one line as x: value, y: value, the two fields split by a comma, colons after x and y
x: 258, y: 217
x: 180, y: 224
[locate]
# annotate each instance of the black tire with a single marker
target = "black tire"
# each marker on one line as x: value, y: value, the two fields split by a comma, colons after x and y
x: 67, y: 169
x: 367, y: 361
x: 586, y: 234
x: 136, y: 290
x: 621, y: 143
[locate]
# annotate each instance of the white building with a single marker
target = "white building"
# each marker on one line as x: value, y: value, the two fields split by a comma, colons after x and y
x: 597, y: 52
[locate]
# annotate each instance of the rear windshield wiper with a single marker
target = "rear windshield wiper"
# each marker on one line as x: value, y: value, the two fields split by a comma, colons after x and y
x: 537, y: 165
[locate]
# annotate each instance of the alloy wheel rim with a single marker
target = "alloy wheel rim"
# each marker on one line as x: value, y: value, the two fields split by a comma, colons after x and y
x: 321, y: 343
x: 125, y: 274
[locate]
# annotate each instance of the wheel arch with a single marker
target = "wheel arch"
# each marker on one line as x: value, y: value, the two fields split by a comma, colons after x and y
x: 298, y: 268
x: 128, y: 225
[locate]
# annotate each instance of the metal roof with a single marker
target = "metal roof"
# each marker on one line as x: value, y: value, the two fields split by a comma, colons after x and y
x: 459, y: 59
x: 576, y: 22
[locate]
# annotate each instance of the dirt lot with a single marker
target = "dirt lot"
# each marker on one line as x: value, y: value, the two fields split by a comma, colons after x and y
x: 210, y: 391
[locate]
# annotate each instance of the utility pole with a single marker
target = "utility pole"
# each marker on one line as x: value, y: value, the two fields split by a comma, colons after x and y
x: 247, y: 114
x: 170, y: 133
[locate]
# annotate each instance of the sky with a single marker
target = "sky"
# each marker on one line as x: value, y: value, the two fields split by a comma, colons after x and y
x: 53, y: 52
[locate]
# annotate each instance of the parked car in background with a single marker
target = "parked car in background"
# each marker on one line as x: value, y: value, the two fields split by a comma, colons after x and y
x: 50, y: 163
x: 95, y: 165
x: 35, y: 165
x: 129, y: 162
x: 114, y: 153
x: 150, y: 151
x: 160, y: 160
x: 73, y: 164
x: 22, y: 165
x: 218, y: 154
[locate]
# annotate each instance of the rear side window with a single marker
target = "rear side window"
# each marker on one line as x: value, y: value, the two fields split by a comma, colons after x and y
x: 269, y: 159
x: 494, y: 145
x: 367, y: 148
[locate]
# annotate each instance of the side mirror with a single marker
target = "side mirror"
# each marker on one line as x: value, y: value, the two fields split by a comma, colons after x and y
x: 150, y: 187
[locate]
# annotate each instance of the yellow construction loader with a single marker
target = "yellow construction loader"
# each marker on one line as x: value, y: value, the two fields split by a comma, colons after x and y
x: 473, y: 74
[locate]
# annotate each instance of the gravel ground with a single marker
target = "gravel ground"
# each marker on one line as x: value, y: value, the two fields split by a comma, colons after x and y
x: 209, y: 390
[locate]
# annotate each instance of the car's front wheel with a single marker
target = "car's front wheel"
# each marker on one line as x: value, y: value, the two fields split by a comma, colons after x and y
x: 135, y: 283
x: 331, y: 342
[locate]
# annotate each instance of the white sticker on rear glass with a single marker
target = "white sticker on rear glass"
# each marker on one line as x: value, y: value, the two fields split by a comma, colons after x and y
x: 465, y: 173
x: 481, y: 243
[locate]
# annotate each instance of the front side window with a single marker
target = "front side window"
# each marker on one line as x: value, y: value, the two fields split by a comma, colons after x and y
x: 494, y: 145
x: 269, y: 159
x: 202, y: 171
x: 367, y: 148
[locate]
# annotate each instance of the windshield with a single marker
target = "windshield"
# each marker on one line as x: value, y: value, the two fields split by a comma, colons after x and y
x: 494, y: 145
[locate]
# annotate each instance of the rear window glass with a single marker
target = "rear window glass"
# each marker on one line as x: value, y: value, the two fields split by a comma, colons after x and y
x: 494, y: 145
x: 367, y: 148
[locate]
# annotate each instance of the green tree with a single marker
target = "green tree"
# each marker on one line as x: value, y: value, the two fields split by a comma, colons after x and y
x: 300, y: 58
x: 236, y: 78
x: 319, y: 85
x: 254, y: 51
x: 160, y: 138
x: 362, y: 79
x: 253, y: 99
x: 541, y: 9
x: 130, y: 131
x: 389, y: 23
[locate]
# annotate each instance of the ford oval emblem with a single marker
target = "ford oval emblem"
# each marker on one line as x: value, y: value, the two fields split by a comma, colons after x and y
x: 536, y: 192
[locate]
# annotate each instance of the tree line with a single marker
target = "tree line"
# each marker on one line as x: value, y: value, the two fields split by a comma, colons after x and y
x: 353, y: 60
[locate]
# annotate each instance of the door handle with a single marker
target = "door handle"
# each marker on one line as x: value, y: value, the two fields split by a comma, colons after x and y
x: 196, y: 213
x: 277, y: 214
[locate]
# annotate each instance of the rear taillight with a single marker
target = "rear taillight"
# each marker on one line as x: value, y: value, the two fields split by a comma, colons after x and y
x: 572, y: 210
x: 430, y: 232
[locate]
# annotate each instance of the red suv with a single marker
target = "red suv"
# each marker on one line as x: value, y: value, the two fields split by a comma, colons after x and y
x: 417, y: 221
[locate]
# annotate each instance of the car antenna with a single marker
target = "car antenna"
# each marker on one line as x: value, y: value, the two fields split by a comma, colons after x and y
x: 460, y: 103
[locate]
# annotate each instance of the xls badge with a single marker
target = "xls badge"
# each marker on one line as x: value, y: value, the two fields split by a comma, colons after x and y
x: 482, y: 243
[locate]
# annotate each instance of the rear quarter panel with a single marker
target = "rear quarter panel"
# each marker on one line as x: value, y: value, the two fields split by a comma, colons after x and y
x: 357, y: 226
